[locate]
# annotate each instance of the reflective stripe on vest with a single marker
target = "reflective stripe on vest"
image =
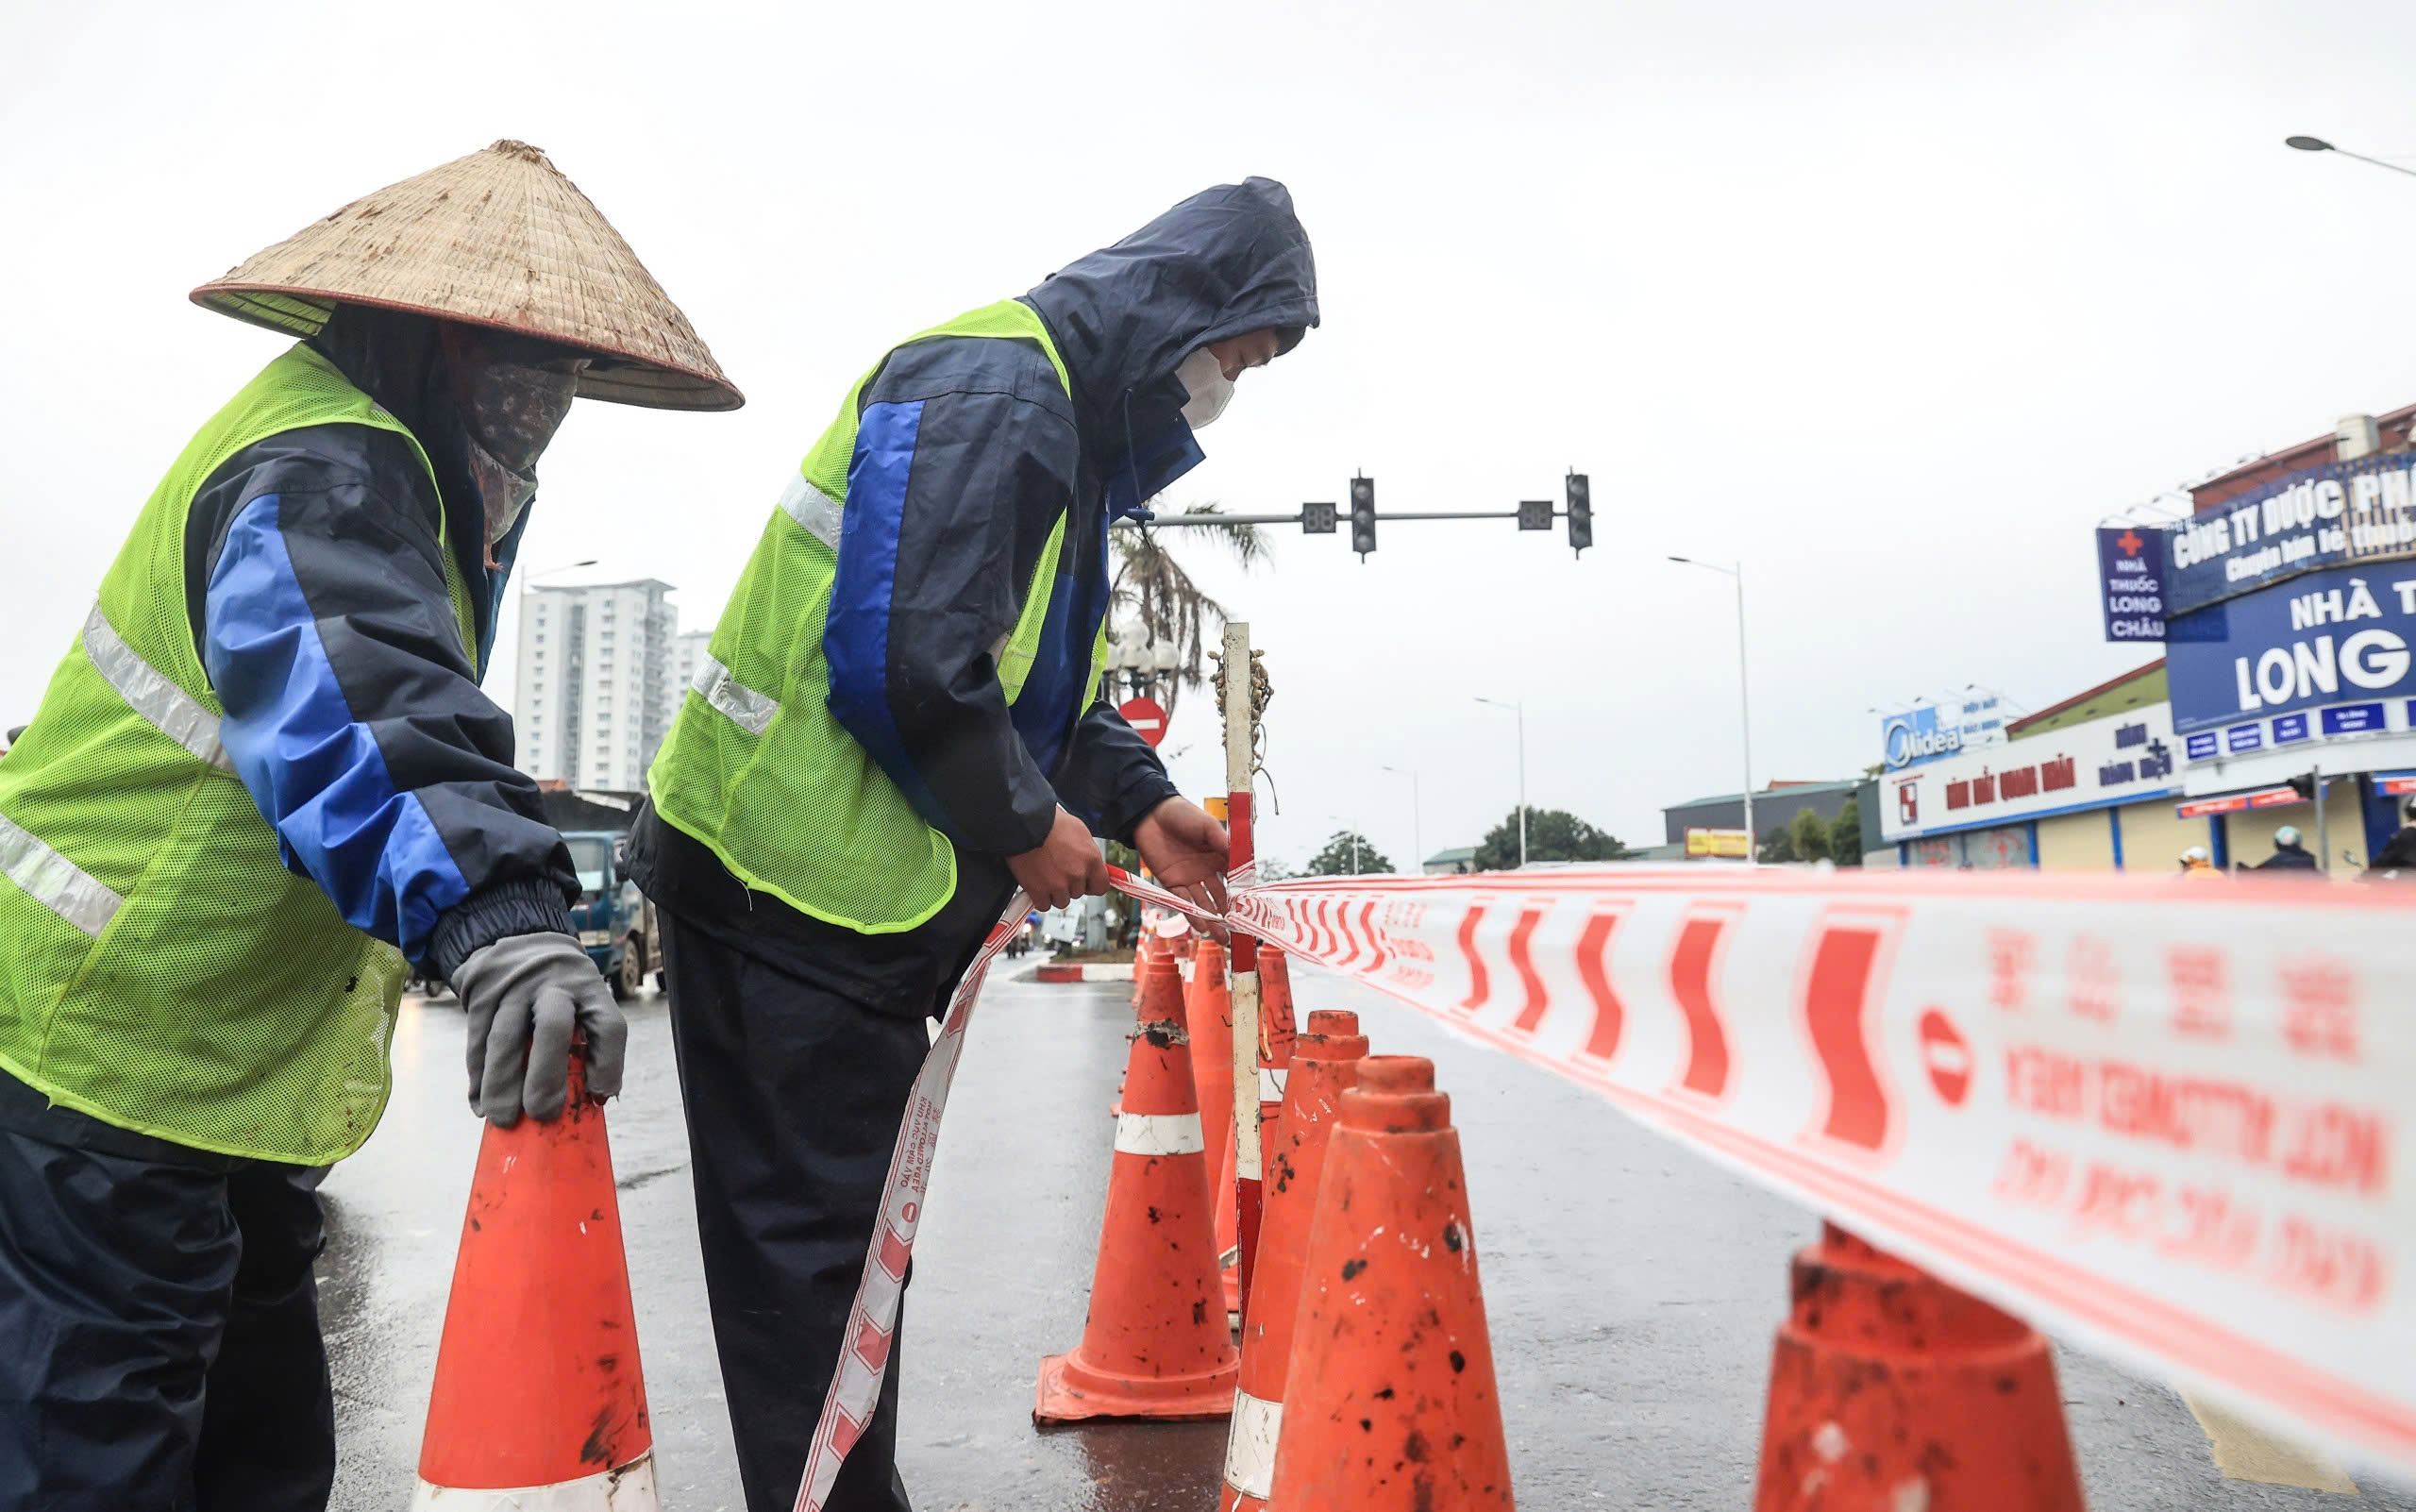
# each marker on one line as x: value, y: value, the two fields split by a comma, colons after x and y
x: 815, y: 511
x: 56, y: 883
x: 147, y: 690
x: 743, y: 706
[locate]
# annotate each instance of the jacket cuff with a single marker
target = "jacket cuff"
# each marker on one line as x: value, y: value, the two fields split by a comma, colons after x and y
x: 524, y: 905
x: 1133, y: 801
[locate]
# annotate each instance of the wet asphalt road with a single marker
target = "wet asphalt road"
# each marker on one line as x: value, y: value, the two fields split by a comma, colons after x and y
x: 1632, y: 1288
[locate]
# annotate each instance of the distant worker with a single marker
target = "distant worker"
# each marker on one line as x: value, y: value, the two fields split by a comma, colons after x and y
x: 2195, y: 864
x: 900, y: 722
x: 2396, y: 859
x: 2289, y: 853
x: 262, y: 788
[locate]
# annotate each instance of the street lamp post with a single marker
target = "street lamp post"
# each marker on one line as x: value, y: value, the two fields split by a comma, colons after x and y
x: 528, y: 580
x: 1744, y: 700
x: 1417, y: 815
x: 1520, y: 710
x: 2319, y: 144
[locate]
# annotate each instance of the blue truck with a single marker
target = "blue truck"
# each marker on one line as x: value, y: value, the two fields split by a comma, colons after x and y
x: 615, y: 921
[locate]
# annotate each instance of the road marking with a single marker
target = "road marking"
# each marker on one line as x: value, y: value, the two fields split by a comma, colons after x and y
x: 2244, y: 1452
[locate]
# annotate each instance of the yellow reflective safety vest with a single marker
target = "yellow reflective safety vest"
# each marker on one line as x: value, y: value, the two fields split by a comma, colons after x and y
x: 758, y: 768
x: 161, y: 969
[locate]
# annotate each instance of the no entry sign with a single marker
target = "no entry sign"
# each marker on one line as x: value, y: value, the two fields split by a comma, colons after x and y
x: 1145, y: 715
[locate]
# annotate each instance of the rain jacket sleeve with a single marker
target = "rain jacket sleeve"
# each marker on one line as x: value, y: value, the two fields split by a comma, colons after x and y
x: 957, y: 480
x: 1112, y: 778
x: 316, y: 588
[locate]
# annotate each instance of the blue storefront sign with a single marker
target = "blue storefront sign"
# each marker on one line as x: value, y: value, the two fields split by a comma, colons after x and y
x: 2290, y: 727
x: 2131, y: 565
x: 2310, y: 520
x: 2337, y: 641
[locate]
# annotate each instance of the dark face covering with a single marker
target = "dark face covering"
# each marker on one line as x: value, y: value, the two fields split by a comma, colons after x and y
x: 511, y: 392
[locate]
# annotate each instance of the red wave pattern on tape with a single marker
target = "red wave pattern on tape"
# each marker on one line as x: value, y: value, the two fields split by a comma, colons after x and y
x: 2162, y: 1123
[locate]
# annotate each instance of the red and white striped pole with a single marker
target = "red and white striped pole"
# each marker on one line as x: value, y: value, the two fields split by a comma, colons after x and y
x: 1240, y: 744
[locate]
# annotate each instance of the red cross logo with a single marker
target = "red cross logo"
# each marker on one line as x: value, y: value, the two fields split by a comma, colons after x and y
x: 2129, y: 540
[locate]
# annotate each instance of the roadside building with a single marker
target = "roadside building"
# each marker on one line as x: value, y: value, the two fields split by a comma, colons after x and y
x: 2088, y: 783
x: 2291, y: 630
x: 596, y: 685
x: 1774, y: 808
x: 1458, y: 861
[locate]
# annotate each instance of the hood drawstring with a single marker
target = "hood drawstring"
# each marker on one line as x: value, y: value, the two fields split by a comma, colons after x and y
x: 1133, y: 470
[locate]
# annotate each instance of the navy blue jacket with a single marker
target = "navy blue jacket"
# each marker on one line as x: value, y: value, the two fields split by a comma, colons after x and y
x: 937, y: 556
x: 315, y: 587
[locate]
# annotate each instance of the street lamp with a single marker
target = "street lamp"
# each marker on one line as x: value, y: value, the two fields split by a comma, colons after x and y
x: 1744, y: 698
x: 2319, y: 144
x: 1520, y: 710
x: 1417, y: 813
x: 528, y: 580
x: 1343, y: 827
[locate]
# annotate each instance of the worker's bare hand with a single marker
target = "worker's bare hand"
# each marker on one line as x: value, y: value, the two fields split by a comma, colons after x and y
x: 1065, y: 866
x: 1187, y: 852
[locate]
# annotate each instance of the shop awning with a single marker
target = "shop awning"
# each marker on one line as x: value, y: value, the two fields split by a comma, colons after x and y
x: 2259, y: 797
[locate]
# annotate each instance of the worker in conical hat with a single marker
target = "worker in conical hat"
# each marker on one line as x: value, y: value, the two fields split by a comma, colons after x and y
x: 262, y: 788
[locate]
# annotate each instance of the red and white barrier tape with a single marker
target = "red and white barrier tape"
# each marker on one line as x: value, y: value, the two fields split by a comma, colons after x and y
x: 2164, y: 1119
x: 872, y: 1326
x: 2161, y: 1118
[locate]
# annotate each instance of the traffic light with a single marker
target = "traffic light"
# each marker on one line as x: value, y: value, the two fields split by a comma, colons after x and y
x: 1363, y: 517
x: 1317, y: 519
x: 1535, y: 514
x: 1581, y: 511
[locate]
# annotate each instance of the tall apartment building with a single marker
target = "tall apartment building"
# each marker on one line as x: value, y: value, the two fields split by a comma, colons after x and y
x: 688, y: 653
x: 597, y: 681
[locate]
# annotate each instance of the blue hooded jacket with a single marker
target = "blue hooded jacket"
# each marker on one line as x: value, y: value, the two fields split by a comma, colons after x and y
x: 982, y: 451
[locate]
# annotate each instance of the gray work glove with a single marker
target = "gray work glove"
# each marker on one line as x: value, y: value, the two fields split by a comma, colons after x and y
x: 524, y: 995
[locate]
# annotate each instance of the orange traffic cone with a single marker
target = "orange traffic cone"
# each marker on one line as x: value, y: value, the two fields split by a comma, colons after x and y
x: 538, y: 1398
x: 1274, y: 1058
x: 1890, y: 1389
x: 1325, y: 1061
x: 1155, y: 1345
x: 1389, y: 1401
x: 1209, y: 1006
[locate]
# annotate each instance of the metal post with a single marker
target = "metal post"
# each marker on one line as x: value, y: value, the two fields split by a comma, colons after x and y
x: 1416, y: 815
x: 1745, y: 712
x: 2323, y: 836
x: 1520, y: 710
x: 1239, y: 747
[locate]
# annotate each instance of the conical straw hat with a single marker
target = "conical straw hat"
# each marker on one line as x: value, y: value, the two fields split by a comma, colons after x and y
x: 498, y: 238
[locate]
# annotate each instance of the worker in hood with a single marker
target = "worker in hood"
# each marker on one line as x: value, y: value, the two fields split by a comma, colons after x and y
x: 2197, y: 864
x: 262, y: 788
x: 898, y: 723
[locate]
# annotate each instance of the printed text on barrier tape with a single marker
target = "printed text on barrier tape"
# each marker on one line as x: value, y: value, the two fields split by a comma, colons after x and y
x: 2163, y: 1123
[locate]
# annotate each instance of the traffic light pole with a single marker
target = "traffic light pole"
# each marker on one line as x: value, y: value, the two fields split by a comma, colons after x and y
x: 1300, y: 517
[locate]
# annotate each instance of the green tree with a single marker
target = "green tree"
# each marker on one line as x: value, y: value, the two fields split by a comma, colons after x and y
x: 1347, y: 854
x: 1845, y: 834
x: 1151, y: 590
x: 1777, y: 846
x: 1808, y: 836
x: 1553, y: 835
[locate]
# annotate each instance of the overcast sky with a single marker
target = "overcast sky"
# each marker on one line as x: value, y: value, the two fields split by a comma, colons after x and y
x: 1893, y: 302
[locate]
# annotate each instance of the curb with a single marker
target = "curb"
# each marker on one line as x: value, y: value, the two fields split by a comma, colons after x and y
x: 1096, y: 971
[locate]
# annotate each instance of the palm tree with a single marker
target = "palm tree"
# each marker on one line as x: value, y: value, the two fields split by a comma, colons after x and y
x: 1151, y: 590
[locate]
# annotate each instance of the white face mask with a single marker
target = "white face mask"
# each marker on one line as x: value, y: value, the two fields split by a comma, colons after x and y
x: 1209, y: 390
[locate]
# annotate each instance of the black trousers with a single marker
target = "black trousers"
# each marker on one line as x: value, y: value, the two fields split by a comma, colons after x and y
x: 794, y: 1097
x: 160, y: 1345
